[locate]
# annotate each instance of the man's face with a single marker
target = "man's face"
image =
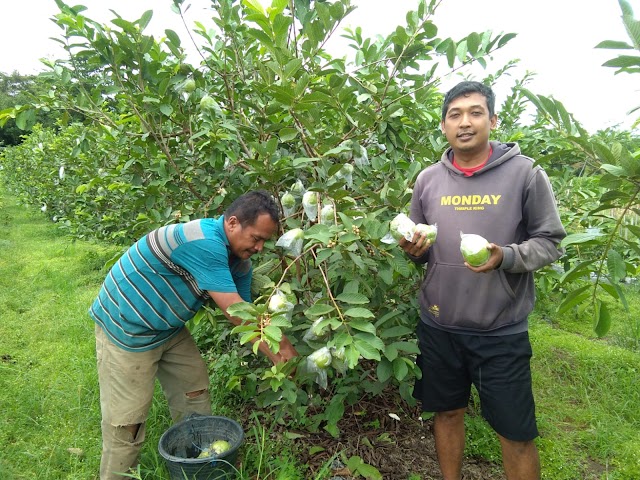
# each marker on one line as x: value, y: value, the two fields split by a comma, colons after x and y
x: 467, y: 124
x: 249, y: 240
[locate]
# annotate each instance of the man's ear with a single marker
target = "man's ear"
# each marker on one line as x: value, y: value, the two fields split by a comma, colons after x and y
x: 494, y: 122
x: 233, y: 222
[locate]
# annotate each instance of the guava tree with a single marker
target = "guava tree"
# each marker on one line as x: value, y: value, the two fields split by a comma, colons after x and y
x: 338, y: 141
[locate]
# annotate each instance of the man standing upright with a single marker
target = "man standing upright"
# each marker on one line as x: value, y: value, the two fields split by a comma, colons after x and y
x: 474, y: 320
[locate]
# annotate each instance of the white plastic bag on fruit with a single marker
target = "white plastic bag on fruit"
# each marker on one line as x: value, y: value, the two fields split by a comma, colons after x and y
x: 317, y: 363
x: 360, y: 156
x: 288, y: 202
x: 401, y: 226
x: 474, y: 249
x: 327, y: 215
x: 315, y: 332
x: 291, y: 242
x: 338, y: 360
x: 279, y: 304
x: 430, y: 231
x: 346, y: 174
x: 310, y: 205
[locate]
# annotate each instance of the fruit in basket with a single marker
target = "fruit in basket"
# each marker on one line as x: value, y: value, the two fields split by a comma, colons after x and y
x: 217, y: 447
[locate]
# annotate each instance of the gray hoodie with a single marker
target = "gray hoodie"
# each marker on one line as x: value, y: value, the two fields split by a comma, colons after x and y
x: 510, y: 203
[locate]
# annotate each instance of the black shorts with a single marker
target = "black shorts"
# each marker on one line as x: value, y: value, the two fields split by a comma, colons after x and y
x: 499, y: 368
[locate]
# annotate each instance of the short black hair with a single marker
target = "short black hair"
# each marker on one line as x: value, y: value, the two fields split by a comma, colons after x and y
x: 249, y: 206
x: 466, y: 88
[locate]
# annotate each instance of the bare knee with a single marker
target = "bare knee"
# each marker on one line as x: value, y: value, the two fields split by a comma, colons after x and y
x: 450, y: 415
x: 516, y: 447
x: 197, y: 393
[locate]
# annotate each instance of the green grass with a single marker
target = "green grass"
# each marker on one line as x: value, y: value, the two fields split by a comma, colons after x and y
x: 48, y: 394
x: 587, y: 393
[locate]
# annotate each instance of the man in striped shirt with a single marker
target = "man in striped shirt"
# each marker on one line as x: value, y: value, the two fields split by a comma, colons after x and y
x: 149, y: 294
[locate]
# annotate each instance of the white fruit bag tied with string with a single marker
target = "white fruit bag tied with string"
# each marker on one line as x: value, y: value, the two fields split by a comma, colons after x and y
x: 310, y: 205
x: 317, y: 363
x: 292, y: 241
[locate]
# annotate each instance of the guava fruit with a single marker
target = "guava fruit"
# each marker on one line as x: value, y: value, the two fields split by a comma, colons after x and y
x: 278, y: 303
x: 431, y: 231
x: 402, y: 226
x: 292, y: 241
x: 347, y: 169
x: 189, y: 85
x: 327, y: 214
x: 321, y: 358
x: 207, y: 103
x: 310, y: 198
x: 220, y: 446
x: 288, y: 200
x: 297, y: 188
x: 310, y: 205
x: 474, y: 249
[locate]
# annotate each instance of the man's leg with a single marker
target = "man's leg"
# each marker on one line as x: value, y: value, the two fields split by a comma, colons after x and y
x: 120, y: 449
x: 520, y: 459
x: 184, y: 377
x: 126, y: 390
x: 503, y: 380
x: 448, y: 430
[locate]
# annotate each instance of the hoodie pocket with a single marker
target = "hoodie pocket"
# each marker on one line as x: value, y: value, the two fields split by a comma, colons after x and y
x: 455, y: 297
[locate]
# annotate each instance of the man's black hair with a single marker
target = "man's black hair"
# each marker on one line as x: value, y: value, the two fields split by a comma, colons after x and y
x: 467, y: 88
x: 248, y: 207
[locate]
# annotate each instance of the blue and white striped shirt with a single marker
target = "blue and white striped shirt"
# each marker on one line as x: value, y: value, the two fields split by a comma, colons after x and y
x: 162, y: 281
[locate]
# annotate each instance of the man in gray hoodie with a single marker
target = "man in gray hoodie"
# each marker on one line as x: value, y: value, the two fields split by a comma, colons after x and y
x: 474, y: 327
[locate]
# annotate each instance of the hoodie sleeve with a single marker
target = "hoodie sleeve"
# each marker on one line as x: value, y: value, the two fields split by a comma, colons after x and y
x: 544, y: 230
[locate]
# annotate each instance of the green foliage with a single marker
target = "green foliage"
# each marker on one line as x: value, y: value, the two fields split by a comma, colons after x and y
x: 586, y: 389
x: 165, y: 141
x: 17, y: 93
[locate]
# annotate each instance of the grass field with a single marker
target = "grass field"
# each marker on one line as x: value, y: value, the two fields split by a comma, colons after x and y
x: 587, y: 389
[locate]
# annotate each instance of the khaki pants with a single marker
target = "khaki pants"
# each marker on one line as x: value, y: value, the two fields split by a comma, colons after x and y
x: 127, y: 382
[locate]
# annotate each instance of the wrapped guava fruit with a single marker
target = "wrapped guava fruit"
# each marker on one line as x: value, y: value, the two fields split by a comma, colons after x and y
x: 474, y: 249
x: 278, y: 302
x: 288, y: 204
x: 310, y: 205
x: 297, y: 188
x: 292, y: 241
x: 346, y: 173
x: 327, y: 214
x: 431, y: 231
x: 317, y: 363
x: 338, y: 360
x: 315, y: 332
x: 402, y: 226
